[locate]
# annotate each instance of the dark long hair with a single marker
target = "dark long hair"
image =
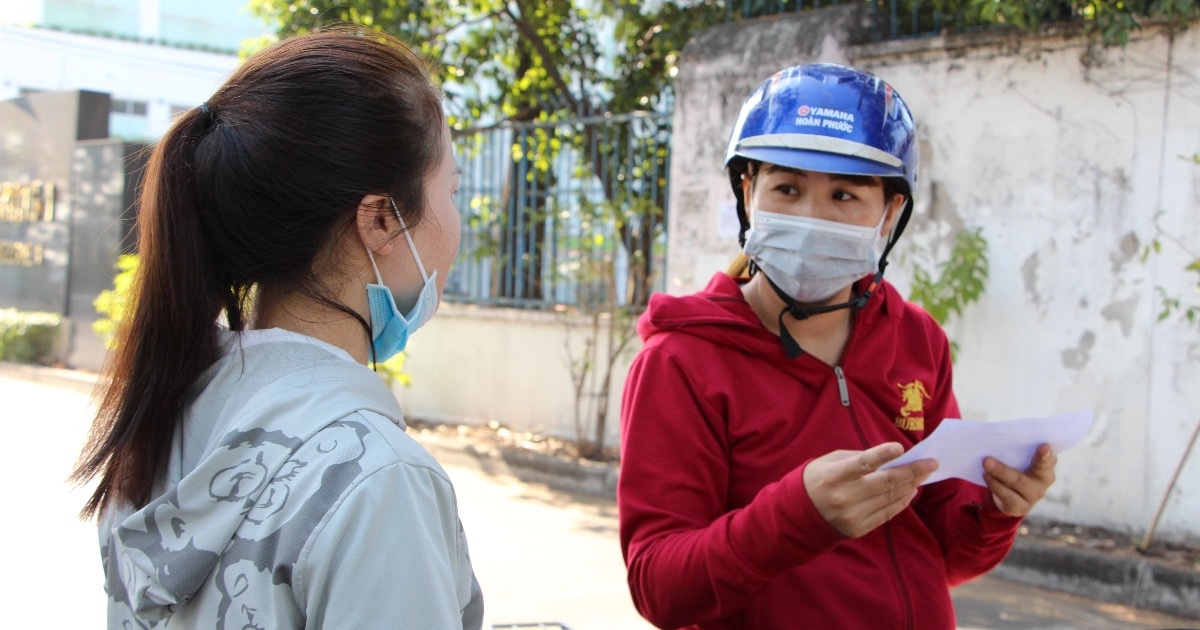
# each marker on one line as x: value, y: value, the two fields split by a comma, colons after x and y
x: 248, y: 192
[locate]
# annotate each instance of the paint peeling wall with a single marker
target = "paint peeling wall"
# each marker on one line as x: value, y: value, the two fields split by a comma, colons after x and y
x: 1064, y: 154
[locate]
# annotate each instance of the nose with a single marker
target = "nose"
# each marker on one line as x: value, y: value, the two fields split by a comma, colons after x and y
x: 814, y: 205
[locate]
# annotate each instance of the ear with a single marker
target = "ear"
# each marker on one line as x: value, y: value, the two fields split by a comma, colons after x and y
x: 377, y: 225
x: 895, y: 205
x: 747, y: 190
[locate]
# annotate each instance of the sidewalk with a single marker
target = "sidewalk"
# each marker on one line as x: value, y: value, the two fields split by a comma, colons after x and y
x: 1115, y: 575
x: 1120, y: 576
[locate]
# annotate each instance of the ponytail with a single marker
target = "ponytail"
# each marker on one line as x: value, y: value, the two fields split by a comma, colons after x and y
x: 245, y: 194
x: 739, y: 267
x: 168, y: 340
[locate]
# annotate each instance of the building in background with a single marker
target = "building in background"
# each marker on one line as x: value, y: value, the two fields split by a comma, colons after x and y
x: 155, y: 58
x: 84, y: 84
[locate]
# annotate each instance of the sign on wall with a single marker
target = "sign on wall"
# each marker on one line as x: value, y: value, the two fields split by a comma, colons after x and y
x: 25, y: 203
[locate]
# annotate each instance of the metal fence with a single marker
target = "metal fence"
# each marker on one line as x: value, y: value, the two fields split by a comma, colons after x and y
x: 568, y: 213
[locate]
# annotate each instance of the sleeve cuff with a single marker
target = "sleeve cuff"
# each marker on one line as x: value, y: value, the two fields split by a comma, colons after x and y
x: 992, y: 522
x: 782, y: 528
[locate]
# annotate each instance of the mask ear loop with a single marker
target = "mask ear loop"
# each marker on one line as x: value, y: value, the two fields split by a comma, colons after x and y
x: 378, y: 278
x: 411, y: 246
x: 371, y: 335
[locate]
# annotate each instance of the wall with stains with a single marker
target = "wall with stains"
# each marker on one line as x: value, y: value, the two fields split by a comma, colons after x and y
x: 1072, y: 158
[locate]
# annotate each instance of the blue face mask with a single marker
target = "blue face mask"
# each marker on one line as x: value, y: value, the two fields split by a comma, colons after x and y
x: 390, y: 329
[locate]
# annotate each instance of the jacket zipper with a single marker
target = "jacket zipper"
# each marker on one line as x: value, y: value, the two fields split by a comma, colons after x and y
x: 844, y: 392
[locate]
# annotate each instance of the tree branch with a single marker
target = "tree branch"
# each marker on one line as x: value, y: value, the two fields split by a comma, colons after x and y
x: 479, y: 20
x: 526, y: 29
x: 522, y: 115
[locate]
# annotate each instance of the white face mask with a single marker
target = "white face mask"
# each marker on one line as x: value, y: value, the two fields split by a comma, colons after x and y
x: 812, y: 259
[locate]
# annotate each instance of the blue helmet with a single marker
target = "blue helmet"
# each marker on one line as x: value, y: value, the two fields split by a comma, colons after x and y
x: 825, y: 118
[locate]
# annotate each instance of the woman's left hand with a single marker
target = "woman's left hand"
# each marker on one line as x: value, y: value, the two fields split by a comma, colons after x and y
x: 1015, y: 492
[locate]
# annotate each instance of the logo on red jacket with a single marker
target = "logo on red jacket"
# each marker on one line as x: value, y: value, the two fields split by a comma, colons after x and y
x: 912, y: 414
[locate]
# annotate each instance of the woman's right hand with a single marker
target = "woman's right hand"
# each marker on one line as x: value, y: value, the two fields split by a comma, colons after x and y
x: 854, y: 496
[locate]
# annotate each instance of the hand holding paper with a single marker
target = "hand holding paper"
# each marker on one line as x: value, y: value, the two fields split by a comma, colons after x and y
x: 959, y: 446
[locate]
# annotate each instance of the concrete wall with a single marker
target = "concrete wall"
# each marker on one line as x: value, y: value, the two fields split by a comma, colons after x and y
x: 105, y: 175
x: 1064, y: 154
x: 475, y: 365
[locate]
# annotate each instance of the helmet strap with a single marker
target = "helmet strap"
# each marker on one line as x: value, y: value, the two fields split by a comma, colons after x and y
x: 735, y: 182
x: 744, y: 222
x: 801, y: 312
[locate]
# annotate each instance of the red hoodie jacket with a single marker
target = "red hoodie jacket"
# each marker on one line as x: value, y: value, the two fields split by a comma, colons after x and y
x: 717, y: 425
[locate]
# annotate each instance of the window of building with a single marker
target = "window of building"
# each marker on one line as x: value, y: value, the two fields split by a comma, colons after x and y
x: 123, y: 106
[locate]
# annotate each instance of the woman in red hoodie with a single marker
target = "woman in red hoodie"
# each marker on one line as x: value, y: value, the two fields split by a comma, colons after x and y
x: 758, y: 414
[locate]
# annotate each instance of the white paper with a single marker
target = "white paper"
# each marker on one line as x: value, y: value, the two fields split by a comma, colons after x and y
x: 959, y: 446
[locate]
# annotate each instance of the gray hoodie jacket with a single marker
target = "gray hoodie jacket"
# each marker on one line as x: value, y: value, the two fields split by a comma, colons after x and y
x: 293, y: 499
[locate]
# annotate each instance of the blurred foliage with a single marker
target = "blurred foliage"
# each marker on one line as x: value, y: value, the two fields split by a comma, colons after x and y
x: 27, y: 337
x: 1111, y: 21
x: 392, y: 371
x: 1183, y: 303
x: 534, y: 61
x: 611, y: 304
x: 960, y: 279
x: 526, y: 60
x: 112, y: 303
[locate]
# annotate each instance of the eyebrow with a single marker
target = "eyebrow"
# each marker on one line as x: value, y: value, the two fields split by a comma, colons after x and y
x: 857, y: 180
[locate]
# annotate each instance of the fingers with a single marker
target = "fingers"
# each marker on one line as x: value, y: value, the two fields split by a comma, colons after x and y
x: 856, y: 502
x: 1006, y: 499
x: 888, y: 510
x: 1015, y: 492
x: 1044, y: 461
x: 909, y: 475
x: 839, y: 455
x: 854, y: 465
x: 861, y: 517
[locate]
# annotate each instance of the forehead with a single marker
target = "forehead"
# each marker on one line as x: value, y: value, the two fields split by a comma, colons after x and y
x: 856, y: 180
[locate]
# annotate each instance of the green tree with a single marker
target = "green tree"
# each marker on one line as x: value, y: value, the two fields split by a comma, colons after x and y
x: 112, y: 304
x: 536, y: 60
x: 611, y: 316
x: 960, y: 280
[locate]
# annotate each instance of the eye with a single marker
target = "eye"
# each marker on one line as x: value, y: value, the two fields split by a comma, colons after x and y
x: 842, y: 195
x: 786, y: 189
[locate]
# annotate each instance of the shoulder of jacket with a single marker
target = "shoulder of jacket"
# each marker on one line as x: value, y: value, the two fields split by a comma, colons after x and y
x: 396, y: 446
x: 389, y: 474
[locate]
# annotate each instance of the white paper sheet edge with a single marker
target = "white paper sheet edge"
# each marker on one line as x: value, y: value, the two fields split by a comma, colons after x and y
x: 959, y: 446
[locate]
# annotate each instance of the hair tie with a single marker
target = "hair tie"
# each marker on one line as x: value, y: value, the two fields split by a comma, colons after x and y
x: 208, y: 113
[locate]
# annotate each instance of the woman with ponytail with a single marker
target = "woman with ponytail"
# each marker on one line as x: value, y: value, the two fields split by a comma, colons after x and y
x: 251, y: 470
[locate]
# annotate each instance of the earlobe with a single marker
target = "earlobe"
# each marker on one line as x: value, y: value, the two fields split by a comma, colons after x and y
x: 374, y: 225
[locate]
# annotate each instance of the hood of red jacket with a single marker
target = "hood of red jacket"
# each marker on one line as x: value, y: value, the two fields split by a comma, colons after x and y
x: 721, y: 315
